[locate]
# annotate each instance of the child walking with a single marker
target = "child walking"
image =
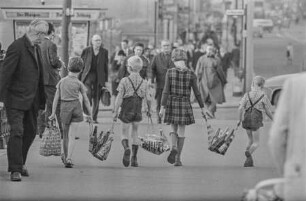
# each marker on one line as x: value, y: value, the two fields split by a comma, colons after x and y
x: 176, y: 105
x: 252, y: 106
x: 71, y: 113
x: 131, y: 91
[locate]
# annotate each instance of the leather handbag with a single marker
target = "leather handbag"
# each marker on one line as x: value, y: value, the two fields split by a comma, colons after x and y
x: 105, y: 96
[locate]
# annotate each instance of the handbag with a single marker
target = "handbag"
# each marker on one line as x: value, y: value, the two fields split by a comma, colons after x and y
x: 105, y: 96
x: 51, y: 140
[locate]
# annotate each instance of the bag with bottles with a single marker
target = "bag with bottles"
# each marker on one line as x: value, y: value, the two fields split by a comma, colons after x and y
x: 154, y: 143
x: 220, y: 140
x: 100, y: 146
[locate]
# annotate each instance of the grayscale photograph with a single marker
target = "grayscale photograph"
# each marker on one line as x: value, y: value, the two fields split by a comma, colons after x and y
x: 152, y: 100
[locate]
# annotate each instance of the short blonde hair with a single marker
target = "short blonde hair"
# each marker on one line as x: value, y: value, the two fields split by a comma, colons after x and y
x: 38, y: 26
x: 135, y: 63
x: 258, y: 81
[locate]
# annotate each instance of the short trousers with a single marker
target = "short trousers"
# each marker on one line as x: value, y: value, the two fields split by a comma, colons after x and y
x: 71, y: 111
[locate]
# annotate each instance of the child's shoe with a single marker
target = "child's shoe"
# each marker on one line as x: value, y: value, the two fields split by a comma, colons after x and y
x: 249, y: 160
x: 172, y: 155
x: 68, y: 164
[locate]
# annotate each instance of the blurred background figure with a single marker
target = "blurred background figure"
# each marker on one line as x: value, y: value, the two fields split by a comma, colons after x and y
x: 287, y: 138
x: 115, y: 66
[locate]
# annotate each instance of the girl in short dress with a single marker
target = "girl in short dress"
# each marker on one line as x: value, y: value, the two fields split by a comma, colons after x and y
x: 176, y: 105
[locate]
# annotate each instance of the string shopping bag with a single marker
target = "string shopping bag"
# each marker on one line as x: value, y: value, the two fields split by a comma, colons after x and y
x: 102, y: 144
x: 219, y: 141
x: 51, y: 140
x: 156, y: 143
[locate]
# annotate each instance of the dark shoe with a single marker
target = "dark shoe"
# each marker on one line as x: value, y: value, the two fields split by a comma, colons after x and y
x: 95, y: 122
x: 15, y: 176
x: 69, y: 164
x: 126, y: 157
x: 134, y: 162
x: 171, y: 157
x: 76, y: 138
x: 249, y: 160
x: 24, y: 172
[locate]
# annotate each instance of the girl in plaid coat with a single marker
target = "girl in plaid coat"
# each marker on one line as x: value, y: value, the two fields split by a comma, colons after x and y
x: 176, y: 102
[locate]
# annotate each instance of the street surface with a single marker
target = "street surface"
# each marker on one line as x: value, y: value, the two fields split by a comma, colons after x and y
x: 204, y: 176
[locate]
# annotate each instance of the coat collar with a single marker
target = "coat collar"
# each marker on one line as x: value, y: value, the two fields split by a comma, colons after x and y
x: 30, y: 47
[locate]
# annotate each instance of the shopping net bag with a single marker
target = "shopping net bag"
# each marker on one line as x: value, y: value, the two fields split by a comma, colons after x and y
x: 219, y: 141
x: 100, y: 146
x: 266, y: 190
x: 156, y: 143
x: 51, y: 140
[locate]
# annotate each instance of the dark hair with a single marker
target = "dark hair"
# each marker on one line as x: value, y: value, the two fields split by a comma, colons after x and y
x: 121, y: 53
x: 138, y: 44
x: 51, y: 28
x: 126, y: 41
x: 75, y: 64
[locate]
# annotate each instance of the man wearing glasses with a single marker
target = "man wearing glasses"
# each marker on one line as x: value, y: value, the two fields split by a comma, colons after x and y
x: 95, y: 72
x: 22, y: 92
x: 158, y: 69
x: 51, y: 65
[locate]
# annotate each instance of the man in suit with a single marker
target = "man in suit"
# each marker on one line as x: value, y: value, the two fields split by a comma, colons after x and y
x: 287, y: 138
x: 125, y: 47
x: 22, y: 92
x: 158, y: 69
x: 51, y: 65
x: 95, y: 73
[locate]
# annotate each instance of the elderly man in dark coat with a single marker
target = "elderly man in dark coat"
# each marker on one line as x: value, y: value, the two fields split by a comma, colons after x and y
x: 22, y: 91
x: 95, y: 73
x: 158, y: 69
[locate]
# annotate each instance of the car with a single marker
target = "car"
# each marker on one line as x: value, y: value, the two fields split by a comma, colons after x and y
x: 273, y: 86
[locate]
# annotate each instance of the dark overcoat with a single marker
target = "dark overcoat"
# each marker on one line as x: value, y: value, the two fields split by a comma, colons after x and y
x: 102, y: 65
x: 21, y: 76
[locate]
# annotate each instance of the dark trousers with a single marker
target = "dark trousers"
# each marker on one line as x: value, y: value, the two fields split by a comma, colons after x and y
x: 158, y: 96
x: 93, y: 93
x: 23, y: 130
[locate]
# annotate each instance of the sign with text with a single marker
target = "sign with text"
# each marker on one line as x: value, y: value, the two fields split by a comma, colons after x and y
x: 50, y: 14
x: 235, y: 12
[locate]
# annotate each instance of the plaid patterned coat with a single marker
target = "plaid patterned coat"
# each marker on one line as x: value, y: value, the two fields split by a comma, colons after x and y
x: 176, y: 96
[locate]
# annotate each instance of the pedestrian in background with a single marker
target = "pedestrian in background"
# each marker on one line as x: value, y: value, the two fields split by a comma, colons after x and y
x: 176, y: 102
x: 51, y: 65
x: 115, y: 66
x: 138, y: 51
x: 22, y: 91
x: 125, y: 47
x: 157, y: 71
x: 287, y: 138
x: 254, y: 104
x: 131, y: 91
x: 211, y: 79
x: 95, y: 73
x: 289, y: 53
x: 67, y: 93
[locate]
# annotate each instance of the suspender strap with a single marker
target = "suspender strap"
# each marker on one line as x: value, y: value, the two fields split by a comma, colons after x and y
x: 135, y: 89
x: 253, y: 104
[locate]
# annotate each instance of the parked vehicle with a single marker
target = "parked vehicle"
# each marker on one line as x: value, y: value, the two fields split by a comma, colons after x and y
x: 274, y: 86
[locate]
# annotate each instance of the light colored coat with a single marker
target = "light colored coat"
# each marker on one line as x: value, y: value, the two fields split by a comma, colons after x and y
x: 216, y: 93
x: 288, y: 138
